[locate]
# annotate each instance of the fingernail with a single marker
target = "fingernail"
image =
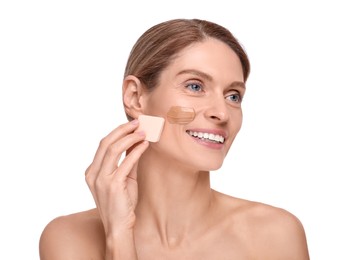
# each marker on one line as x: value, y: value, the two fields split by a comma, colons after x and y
x: 135, y: 122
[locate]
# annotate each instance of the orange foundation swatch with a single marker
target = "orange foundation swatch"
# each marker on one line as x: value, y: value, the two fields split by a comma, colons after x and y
x: 180, y: 115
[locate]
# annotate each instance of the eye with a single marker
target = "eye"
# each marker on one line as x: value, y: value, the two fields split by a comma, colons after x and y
x: 195, y: 87
x: 234, y: 97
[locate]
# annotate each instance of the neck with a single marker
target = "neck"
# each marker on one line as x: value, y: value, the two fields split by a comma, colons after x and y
x: 173, y: 201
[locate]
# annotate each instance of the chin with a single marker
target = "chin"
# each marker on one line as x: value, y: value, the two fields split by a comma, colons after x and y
x: 215, y: 168
x: 211, y: 166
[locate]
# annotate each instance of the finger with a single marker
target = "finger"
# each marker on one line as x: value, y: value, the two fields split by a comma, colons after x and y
x: 116, y: 134
x: 133, y: 171
x: 112, y: 137
x: 130, y: 161
x: 115, y: 150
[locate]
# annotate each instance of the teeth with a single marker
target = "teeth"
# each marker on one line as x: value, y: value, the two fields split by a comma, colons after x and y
x: 212, y: 137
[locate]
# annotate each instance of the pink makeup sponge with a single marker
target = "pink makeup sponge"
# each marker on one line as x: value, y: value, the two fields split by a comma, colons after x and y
x: 152, y: 126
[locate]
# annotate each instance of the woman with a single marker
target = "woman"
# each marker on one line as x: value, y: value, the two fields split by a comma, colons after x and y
x: 157, y: 203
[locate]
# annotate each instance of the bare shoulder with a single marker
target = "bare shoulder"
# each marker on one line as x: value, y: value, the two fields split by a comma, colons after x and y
x: 73, y: 236
x: 269, y: 231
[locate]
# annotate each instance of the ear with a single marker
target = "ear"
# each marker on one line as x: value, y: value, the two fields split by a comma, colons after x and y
x: 133, y: 96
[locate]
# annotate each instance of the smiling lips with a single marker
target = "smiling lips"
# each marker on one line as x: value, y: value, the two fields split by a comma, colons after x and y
x: 216, y: 138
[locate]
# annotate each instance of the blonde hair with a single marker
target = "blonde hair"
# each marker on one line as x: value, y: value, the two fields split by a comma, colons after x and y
x: 154, y: 50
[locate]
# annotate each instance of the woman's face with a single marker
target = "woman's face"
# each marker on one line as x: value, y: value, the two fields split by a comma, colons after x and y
x: 207, y: 77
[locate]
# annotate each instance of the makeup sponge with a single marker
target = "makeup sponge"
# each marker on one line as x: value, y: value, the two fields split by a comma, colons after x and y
x: 152, y: 126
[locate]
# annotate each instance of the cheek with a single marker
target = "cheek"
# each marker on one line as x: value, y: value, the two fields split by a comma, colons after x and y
x: 157, y: 107
x: 235, y: 123
x: 172, y: 132
x: 239, y: 119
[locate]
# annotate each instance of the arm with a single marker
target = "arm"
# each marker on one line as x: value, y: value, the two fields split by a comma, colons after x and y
x: 114, y: 188
x: 284, y: 237
x: 292, y: 242
x: 121, y: 246
x: 61, y: 240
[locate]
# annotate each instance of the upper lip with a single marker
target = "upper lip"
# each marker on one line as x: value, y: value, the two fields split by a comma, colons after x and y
x: 210, y: 131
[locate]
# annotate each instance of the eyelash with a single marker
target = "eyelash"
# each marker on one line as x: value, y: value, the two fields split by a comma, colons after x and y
x: 201, y: 88
x: 239, y: 98
x: 188, y: 86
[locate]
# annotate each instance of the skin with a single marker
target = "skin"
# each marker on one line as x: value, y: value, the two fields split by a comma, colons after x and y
x: 158, y: 203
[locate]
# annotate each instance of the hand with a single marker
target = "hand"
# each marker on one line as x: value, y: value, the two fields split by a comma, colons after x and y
x: 114, y: 187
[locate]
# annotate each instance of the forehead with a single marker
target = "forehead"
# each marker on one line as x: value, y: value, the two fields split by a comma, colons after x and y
x: 212, y: 57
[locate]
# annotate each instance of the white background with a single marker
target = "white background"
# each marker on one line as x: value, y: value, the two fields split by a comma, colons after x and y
x: 61, y: 67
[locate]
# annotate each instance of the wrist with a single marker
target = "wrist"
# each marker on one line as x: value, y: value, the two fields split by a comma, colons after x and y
x: 120, y: 235
x: 121, y: 245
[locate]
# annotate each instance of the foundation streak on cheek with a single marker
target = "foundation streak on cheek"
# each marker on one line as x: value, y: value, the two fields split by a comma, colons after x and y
x: 180, y: 115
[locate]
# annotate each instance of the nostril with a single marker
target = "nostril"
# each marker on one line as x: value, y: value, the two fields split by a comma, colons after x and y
x: 218, y: 116
x: 217, y: 112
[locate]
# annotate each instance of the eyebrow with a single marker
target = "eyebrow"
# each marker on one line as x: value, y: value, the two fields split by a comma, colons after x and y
x: 209, y: 78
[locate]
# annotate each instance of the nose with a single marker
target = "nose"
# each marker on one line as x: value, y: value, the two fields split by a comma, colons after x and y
x: 217, y: 111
